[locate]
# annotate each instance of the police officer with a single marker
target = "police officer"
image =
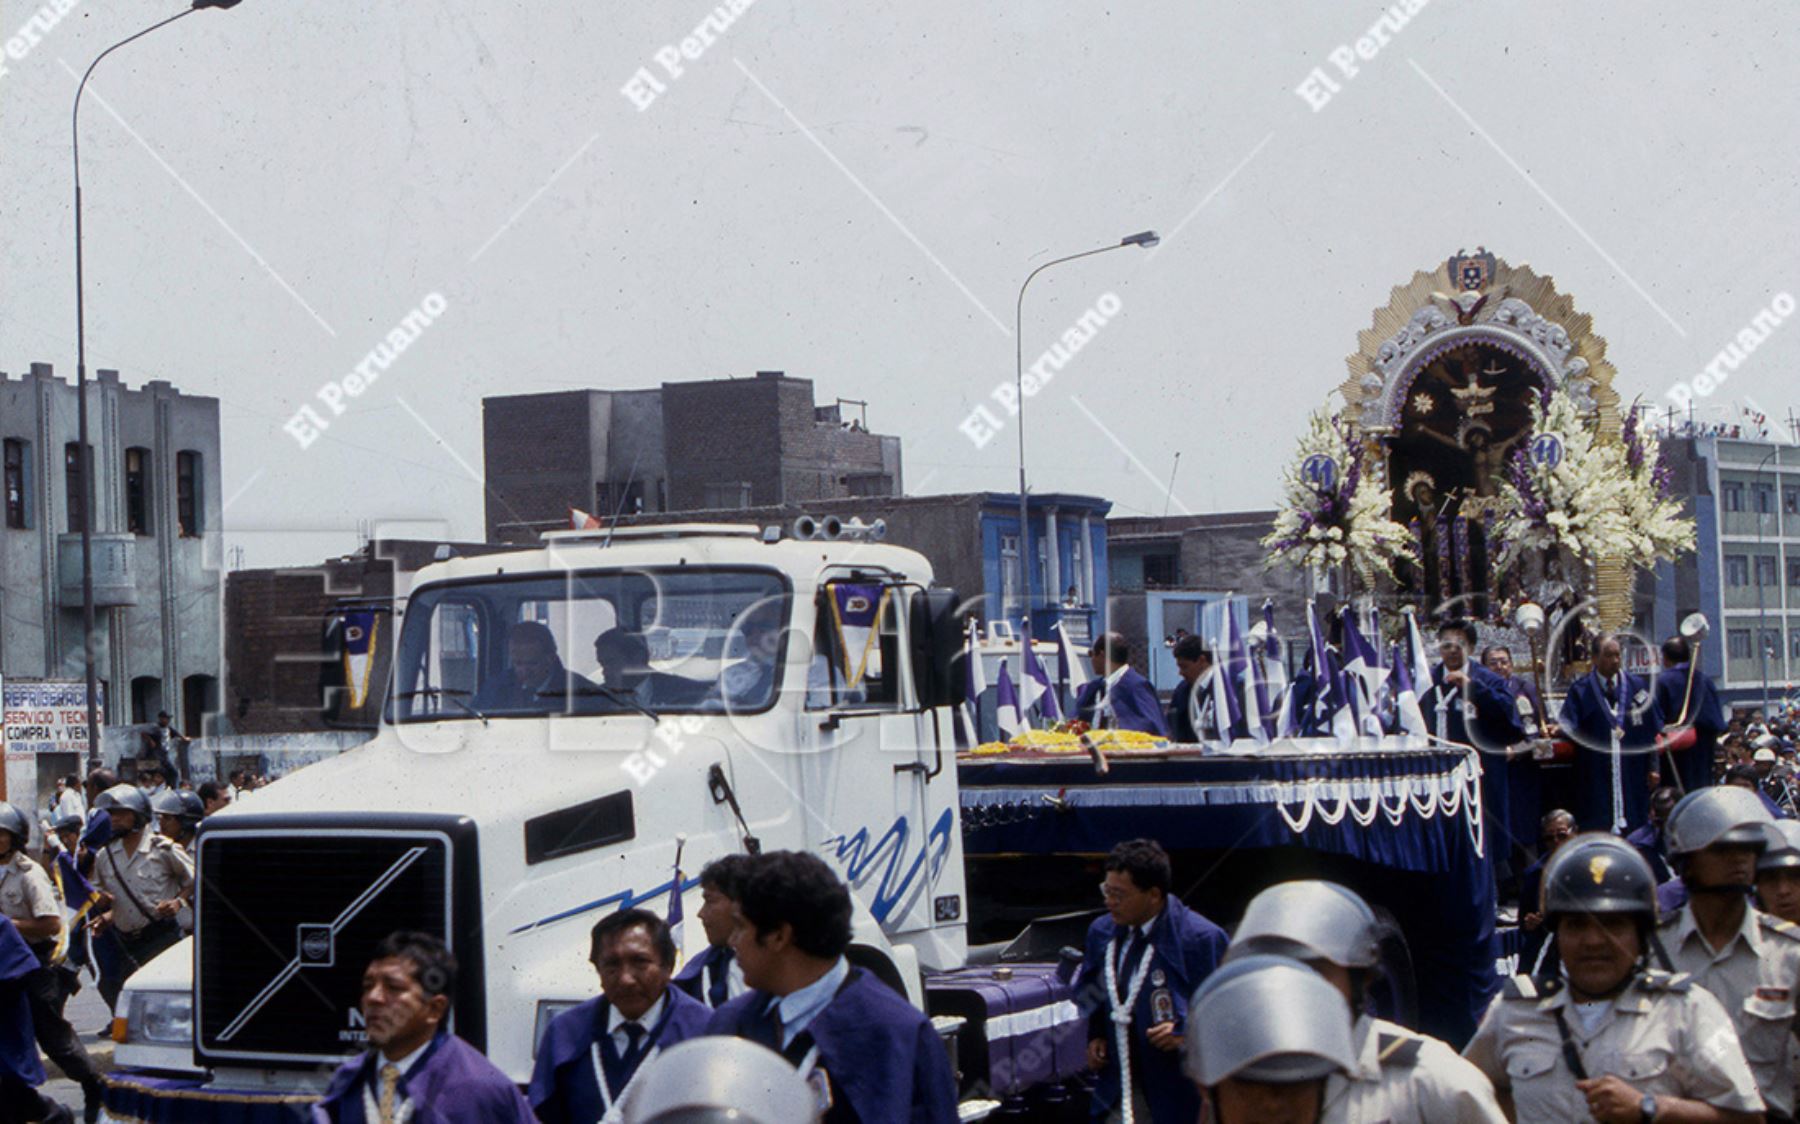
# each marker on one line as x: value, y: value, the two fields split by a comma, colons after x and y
x: 1748, y: 959
x: 1398, y: 1075
x: 29, y: 900
x: 178, y: 813
x: 1276, y: 1032
x: 714, y: 1080
x: 1778, y: 874
x: 148, y: 878
x: 1610, y: 1039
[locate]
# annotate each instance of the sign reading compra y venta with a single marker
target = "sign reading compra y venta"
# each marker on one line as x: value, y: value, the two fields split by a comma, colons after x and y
x: 45, y: 716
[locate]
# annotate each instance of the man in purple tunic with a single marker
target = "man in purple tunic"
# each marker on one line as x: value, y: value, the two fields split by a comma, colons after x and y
x: 417, y: 1070
x: 715, y: 976
x: 1118, y: 697
x: 591, y: 1054
x: 870, y: 1056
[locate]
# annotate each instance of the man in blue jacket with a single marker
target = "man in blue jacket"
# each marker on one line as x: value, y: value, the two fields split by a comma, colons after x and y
x: 870, y: 1056
x: 1696, y: 705
x: 1144, y: 958
x: 1118, y: 697
x: 1470, y: 705
x: 1608, y: 709
x: 715, y: 976
x: 416, y: 1070
x: 591, y: 1054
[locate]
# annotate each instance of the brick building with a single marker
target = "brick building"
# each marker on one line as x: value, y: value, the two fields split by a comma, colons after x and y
x: 706, y: 445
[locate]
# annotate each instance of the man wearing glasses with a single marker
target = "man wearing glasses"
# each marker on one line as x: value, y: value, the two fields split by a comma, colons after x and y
x: 1144, y: 958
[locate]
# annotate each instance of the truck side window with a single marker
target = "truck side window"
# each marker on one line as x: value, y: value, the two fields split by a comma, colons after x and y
x: 855, y: 648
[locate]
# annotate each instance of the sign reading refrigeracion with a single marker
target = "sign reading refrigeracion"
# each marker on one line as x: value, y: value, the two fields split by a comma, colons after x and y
x: 45, y: 716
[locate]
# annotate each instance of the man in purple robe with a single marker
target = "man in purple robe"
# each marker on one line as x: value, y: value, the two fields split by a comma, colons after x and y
x: 715, y: 976
x: 591, y: 1054
x: 870, y: 1056
x: 1687, y: 695
x: 1609, y: 706
x: 1118, y: 697
x: 1467, y: 704
x: 417, y: 1070
x: 1143, y: 959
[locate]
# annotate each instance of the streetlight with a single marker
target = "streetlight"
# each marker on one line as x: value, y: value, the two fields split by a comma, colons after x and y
x: 81, y: 405
x: 1144, y: 238
x: 1762, y: 617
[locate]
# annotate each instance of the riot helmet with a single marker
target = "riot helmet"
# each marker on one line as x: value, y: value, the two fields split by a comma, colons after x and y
x: 718, y: 1079
x: 1723, y: 815
x: 1598, y: 873
x: 1310, y: 920
x: 1271, y: 1020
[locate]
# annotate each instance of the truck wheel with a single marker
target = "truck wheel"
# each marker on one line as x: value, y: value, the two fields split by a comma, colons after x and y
x: 877, y: 965
x: 1394, y: 991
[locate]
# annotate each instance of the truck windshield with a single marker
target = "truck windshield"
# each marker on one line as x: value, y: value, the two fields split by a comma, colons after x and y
x: 687, y: 640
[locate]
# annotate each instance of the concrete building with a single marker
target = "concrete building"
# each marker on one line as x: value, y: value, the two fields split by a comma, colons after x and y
x: 1166, y: 571
x: 686, y: 446
x: 155, y: 534
x: 284, y: 667
x: 1745, y: 571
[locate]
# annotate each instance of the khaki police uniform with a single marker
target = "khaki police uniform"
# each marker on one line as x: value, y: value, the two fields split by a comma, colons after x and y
x: 1662, y: 1036
x: 1403, y: 1077
x: 157, y: 871
x: 25, y: 890
x: 1754, y: 976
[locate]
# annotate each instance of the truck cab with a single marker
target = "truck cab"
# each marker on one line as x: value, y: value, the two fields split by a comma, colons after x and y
x: 571, y: 730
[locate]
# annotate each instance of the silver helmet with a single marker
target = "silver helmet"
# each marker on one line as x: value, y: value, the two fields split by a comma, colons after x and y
x: 704, y: 1080
x: 1722, y: 814
x: 1271, y: 1020
x: 1310, y: 920
x: 17, y: 822
x: 1786, y: 854
x: 129, y: 797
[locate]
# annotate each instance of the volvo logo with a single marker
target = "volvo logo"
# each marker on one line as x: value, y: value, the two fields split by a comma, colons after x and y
x: 317, y: 946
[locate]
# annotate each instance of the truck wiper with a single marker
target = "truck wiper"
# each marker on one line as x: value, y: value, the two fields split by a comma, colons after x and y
x: 449, y: 693
x: 621, y: 697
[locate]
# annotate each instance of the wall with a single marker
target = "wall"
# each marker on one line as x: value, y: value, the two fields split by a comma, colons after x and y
x: 538, y: 457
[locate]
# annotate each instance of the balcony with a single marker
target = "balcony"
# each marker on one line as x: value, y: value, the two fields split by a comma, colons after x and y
x: 115, y: 583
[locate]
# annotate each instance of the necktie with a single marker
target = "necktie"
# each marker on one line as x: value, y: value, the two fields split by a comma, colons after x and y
x: 1129, y: 942
x: 390, y: 1085
x: 634, y: 1038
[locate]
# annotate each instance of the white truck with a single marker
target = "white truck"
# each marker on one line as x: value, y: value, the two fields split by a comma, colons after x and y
x: 797, y: 693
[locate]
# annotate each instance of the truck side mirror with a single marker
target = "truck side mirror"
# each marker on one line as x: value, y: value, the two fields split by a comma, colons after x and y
x: 936, y: 645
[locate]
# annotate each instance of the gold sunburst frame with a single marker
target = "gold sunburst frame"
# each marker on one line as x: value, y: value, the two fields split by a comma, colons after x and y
x: 1482, y: 298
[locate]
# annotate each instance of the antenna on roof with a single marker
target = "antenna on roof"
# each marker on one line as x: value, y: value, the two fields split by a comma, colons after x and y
x: 623, y: 493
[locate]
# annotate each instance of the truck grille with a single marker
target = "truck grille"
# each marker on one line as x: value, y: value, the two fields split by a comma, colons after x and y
x: 285, y: 922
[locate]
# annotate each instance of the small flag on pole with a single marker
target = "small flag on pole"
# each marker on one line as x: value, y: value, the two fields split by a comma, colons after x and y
x: 675, y: 908
x: 1038, y: 690
x: 580, y: 520
x: 1006, y: 705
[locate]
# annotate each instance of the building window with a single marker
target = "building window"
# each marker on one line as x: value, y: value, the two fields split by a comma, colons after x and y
x: 146, y: 699
x: 1731, y: 494
x: 1738, y: 642
x: 1078, y: 581
x: 18, y: 484
x: 188, y: 485
x: 137, y: 491
x: 1790, y: 500
x: 1162, y: 571
x: 1737, y: 570
x: 1765, y: 569
x: 72, y: 485
x: 1771, y: 641
x: 1009, y: 573
x: 732, y: 496
x: 1794, y: 571
x: 1794, y: 644
x: 1765, y: 498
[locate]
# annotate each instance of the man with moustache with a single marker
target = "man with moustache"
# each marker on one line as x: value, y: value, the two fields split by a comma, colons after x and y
x: 1614, y: 719
x: 415, y: 1070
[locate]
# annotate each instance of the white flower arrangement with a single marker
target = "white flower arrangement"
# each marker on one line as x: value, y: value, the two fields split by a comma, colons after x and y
x: 1324, y: 524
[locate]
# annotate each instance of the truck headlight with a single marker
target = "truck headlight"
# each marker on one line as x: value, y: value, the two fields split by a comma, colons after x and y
x: 161, y: 1016
x: 548, y: 1009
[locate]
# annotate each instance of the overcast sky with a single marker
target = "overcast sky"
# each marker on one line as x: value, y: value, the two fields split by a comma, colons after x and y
x: 853, y: 193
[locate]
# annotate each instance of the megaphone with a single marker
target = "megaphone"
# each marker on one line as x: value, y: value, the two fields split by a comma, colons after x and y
x: 1529, y: 618
x: 1694, y: 627
x: 806, y: 527
x: 831, y: 527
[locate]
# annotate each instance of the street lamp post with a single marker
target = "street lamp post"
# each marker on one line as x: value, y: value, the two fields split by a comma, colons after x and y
x: 1762, y: 618
x: 86, y: 452
x: 1146, y: 239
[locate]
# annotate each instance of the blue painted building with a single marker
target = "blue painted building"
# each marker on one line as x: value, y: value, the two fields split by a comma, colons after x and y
x: 1066, y: 548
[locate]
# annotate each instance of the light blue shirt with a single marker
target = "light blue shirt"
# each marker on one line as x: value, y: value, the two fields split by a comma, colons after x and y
x: 800, y: 1008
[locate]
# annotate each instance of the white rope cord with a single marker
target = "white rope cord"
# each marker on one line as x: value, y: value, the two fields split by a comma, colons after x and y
x: 1427, y: 796
x: 1121, y: 1018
